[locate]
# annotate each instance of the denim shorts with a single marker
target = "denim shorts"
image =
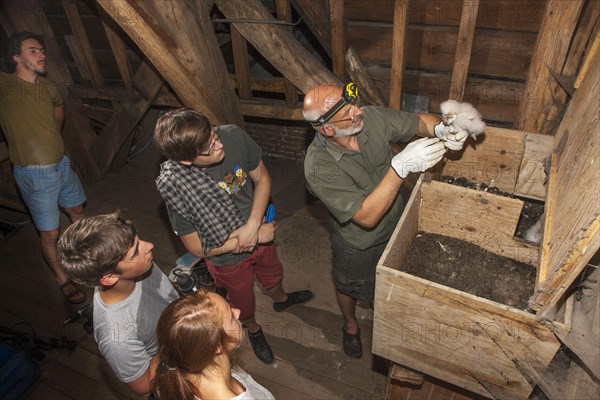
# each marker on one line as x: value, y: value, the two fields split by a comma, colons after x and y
x: 354, y: 270
x: 45, y: 187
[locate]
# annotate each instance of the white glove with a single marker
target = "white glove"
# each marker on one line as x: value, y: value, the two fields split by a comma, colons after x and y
x: 418, y: 156
x: 452, y: 136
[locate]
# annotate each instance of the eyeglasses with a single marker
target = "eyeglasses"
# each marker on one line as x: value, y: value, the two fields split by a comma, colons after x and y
x: 216, y: 138
x: 356, y: 105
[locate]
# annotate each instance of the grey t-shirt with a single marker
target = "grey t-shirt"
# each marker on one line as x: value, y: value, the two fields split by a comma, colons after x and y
x: 254, y: 390
x: 242, y: 155
x: 126, y: 331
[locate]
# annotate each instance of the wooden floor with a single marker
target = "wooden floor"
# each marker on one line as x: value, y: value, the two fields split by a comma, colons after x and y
x: 306, y: 340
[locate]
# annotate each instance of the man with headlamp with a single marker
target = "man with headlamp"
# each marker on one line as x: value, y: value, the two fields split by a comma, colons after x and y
x: 350, y: 168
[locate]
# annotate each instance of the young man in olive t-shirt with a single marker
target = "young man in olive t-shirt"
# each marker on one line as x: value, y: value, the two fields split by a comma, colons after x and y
x: 31, y: 116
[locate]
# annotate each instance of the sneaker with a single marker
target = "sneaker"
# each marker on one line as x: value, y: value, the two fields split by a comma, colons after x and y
x: 352, y: 344
x: 261, y: 347
x: 299, y: 297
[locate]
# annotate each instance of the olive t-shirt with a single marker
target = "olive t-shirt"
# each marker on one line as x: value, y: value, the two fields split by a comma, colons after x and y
x: 242, y: 155
x: 27, y: 120
x: 343, y: 178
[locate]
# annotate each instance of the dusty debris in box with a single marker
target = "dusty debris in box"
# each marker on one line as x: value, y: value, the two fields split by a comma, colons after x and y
x: 469, y: 268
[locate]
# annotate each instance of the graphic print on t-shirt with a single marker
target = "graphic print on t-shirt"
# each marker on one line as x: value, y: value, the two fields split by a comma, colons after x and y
x: 233, y: 181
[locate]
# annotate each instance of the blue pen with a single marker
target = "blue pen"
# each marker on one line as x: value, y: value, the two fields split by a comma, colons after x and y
x: 270, y: 213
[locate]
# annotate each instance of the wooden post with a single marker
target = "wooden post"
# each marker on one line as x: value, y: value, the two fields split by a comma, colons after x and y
x: 284, y: 13
x: 338, y: 37
x: 466, y: 33
x: 398, y: 50
x: 240, y: 63
x: 84, y: 43
x: 552, y: 45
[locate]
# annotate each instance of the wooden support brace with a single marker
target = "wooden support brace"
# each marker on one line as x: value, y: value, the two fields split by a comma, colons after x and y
x: 359, y: 75
x: 398, y: 53
x: 466, y: 34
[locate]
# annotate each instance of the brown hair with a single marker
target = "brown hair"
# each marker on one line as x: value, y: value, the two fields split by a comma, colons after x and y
x: 93, y: 247
x: 182, y: 134
x: 13, y: 46
x: 190, y: 332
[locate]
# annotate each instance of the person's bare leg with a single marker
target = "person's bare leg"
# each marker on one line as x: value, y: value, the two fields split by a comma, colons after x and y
x: 75, y: 213
x: 49, y: 240
x: 348, y: 308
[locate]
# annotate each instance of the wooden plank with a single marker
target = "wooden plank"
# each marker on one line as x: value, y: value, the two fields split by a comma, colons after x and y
x: 398, y: 53
x: 589, y: 58
x: 464, y: 46
x: 124, y: 120
x: 494, y: 53
x: 456, y: 337
x: 572, y: 219
x: 239, y: 47
x: 532, y: 179
x: 491, y: 223
x: 400, y: 374
x: 338, y: 38
x: 284, y: 13
x: 430, y: 389
x: 358, y: 74
x: 496, y: 100
x: 264, y: 108
x: 78, y: 57
x: 277, y: 45
x: 84, y: 44
x: 506, y: 15
x: 312, y: 12
x: 494, y: 159
x: 199, y: 82
x: 550, y: 53
x: 119, y: 49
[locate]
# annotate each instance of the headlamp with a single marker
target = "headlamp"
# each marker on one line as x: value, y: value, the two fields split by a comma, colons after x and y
x: 349, y: 96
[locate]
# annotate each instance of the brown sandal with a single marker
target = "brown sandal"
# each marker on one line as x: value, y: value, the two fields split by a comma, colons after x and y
x: 74, y: 295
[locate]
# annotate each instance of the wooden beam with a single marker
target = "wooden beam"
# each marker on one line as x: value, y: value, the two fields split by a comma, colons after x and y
x: 271, y: 109
x: 338, y: 38
x: 240, y: 62
x: 466, y: 34
x: 591, y: 55
x: 28, y: 15
x: 119, y: 49
x: 82, y: 67
x: 284, y: 13
x: 84, y: 43
x: 124, y: 120
x: 277, y: 45
x: 359, y: 75
x: 312, y: 13
x: 398, y: 52
x: 190, y: 59
x: 550, y: 52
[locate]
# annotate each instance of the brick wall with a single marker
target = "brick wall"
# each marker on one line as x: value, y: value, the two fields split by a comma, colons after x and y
x: 284, y: 141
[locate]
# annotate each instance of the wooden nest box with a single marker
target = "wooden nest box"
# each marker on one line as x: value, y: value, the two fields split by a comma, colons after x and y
x: 466, y: 340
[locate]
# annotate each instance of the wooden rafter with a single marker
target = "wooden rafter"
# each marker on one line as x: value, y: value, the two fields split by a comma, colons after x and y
x: 277, y: 45
x: 189, y: 59
x: 119, y: 50
x: 313, y: 12
x: 83, y: 42
x: 284, y: 13
x: 240, y: 63
x: 360, y: 76
x: 338, y: 37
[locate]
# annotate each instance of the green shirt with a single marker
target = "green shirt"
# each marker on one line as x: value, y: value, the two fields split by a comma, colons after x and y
x: 343, y: 178
x: 242, y: 155
x: 27, y: 120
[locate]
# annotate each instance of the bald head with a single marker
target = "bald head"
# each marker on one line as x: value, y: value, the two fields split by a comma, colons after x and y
x: 319, y: 99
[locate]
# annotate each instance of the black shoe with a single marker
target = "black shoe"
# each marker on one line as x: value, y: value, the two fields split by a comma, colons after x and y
x: 352, y: 344
x: 299, y: 297
x: 261, y: 347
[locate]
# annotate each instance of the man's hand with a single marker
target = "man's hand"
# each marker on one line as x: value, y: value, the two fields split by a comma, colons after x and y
x: 266, y: 233
x: 418, y: 156
x: 247, y: 236
x: 453, y: 137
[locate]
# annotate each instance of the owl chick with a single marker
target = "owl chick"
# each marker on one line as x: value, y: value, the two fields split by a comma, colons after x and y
x: 462, y: 115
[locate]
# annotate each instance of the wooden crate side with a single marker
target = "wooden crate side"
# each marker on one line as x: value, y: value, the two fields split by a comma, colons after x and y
x: 478, y: 217
x: 532, y: 179
x: 457, y: 337
x: 572, y: 220
x: 405, y: 231
x: 494, y: 158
